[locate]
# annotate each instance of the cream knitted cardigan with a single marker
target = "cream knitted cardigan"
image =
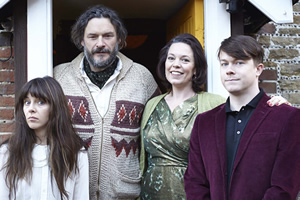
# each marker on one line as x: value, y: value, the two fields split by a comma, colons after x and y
x: 114, y: 153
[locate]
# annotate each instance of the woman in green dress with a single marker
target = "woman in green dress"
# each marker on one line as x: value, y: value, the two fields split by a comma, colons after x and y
x: 168, y: 119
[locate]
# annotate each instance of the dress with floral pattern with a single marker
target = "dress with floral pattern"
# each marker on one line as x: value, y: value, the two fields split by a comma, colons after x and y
x: 166, y: 139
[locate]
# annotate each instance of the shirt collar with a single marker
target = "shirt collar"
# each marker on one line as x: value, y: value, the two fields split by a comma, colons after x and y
x: 253, y: 103
x: 81, y: 66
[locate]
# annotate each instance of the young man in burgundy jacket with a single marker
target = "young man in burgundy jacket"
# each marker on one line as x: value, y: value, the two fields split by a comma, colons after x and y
x: 244, y: 149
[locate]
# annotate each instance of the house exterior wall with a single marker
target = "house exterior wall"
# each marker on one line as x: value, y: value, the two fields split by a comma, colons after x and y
x: 281, y: 76
x: 282, y: 58
x: 7, y: 90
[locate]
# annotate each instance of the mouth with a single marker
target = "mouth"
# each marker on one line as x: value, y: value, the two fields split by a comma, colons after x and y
x: 231, y: 79
x: 176, y: 73
x: 32, y: 118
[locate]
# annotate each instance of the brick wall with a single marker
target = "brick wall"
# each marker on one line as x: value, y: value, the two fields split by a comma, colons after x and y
x: 282, y: 58
x: 7, y: 90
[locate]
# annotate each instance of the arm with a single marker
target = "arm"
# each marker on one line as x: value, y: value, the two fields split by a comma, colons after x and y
x: 285, y: 183
x: 81, y: 190
x: 195, y: 180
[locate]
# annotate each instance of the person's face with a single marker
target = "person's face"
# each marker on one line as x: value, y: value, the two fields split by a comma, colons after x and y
x: 239, y: 76
x: 36, y: 112
x: 179, y: 65
x: 100, y: 43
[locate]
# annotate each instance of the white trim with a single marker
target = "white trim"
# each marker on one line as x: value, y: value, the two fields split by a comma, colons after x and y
x: 39, y: 37
x: 279, y: 11
x: 216, y: 29
x: 3, y: 2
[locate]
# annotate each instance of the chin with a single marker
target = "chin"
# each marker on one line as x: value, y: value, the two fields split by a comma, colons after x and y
x: 233, y: 90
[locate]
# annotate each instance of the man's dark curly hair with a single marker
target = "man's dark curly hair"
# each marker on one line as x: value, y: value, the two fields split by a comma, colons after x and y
x: 98, y: 11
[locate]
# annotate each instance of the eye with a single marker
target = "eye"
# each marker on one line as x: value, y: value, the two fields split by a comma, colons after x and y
x: 41, y: 102
x: 240, y: 62
x: 108, y: 36
x: 185, y: 60
x: 26, y: 102
x: 170, y: 58
x: 224, y: 64
x: 93, y: 37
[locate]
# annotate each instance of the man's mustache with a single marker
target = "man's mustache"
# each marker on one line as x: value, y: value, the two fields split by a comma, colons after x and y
x: 100, y: 50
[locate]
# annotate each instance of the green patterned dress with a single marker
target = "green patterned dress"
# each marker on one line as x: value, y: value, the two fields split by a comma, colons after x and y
x: 166, y: 140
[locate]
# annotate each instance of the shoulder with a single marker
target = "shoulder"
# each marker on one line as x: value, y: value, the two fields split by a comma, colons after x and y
x: 3, y: 154
x: 3, y: 149
x: 64, y: 68
x: 211, y: 97
x: 151, y: 104
x: 283, y: 109
x: 208, y: 101
x: 149, y: 108
x: 82, y: 155
x: 156, y: 99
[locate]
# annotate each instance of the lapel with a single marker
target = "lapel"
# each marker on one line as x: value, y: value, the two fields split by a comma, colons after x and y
x: 220, y: 131
x: 260, y: 113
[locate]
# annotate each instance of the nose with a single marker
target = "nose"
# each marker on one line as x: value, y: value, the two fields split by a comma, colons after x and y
x: 100, y: 42
x: 176, y: 63
x: 230, y: 69
x: 32, y: 108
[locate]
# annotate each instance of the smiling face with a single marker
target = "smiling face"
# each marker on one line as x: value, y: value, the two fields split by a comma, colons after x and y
x: 100, y: 43
x: 239, y: 76
x: 36, y: 112
x: 179, y: 65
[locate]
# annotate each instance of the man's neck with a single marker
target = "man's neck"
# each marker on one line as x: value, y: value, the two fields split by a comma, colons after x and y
x: 237, y: 101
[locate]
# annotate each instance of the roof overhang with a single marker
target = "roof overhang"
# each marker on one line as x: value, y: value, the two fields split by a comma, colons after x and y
x: 3, y: 2
x: 277, y: 10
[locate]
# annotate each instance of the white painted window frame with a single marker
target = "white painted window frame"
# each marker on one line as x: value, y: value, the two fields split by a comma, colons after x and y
x: 39, y: 39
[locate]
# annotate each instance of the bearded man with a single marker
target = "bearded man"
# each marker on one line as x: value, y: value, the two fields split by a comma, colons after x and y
x: 107, y: 93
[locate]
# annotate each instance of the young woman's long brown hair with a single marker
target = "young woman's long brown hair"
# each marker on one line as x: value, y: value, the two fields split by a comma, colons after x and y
x: 64, y: 143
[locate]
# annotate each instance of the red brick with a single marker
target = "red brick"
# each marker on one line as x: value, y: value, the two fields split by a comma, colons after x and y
x: 4, y: 137
x: 7, y: 127
x: 7, y: 64
x: 7, y: 89
x: 6, y: 114
x: 5, y: 52
x: 268, y: 87
x: 7, y: 101
x: 7, y: 76
x: 268, y: 75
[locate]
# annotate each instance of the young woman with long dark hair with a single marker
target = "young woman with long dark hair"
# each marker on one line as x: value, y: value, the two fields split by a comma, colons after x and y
x: 43, y: 158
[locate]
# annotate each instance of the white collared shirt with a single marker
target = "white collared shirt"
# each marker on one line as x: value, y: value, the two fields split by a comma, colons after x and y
x: 40, y: 187
x: 101, y: 96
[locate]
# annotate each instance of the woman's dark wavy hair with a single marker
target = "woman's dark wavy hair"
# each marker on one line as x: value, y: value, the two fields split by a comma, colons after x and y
x: 64, y: 144
x: 98, y: 11
x: 199, y: 79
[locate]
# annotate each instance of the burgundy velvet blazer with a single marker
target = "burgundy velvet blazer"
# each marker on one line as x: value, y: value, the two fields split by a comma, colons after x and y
x: 267, y: 162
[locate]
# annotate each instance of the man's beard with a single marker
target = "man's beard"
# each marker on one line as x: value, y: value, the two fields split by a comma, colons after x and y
x: 98, y: 63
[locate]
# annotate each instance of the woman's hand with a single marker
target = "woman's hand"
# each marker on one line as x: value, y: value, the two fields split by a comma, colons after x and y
x: 277, y: 100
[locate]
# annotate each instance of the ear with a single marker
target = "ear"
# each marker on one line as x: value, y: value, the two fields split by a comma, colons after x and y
x: 82, y: 43
x: 259, y: 69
